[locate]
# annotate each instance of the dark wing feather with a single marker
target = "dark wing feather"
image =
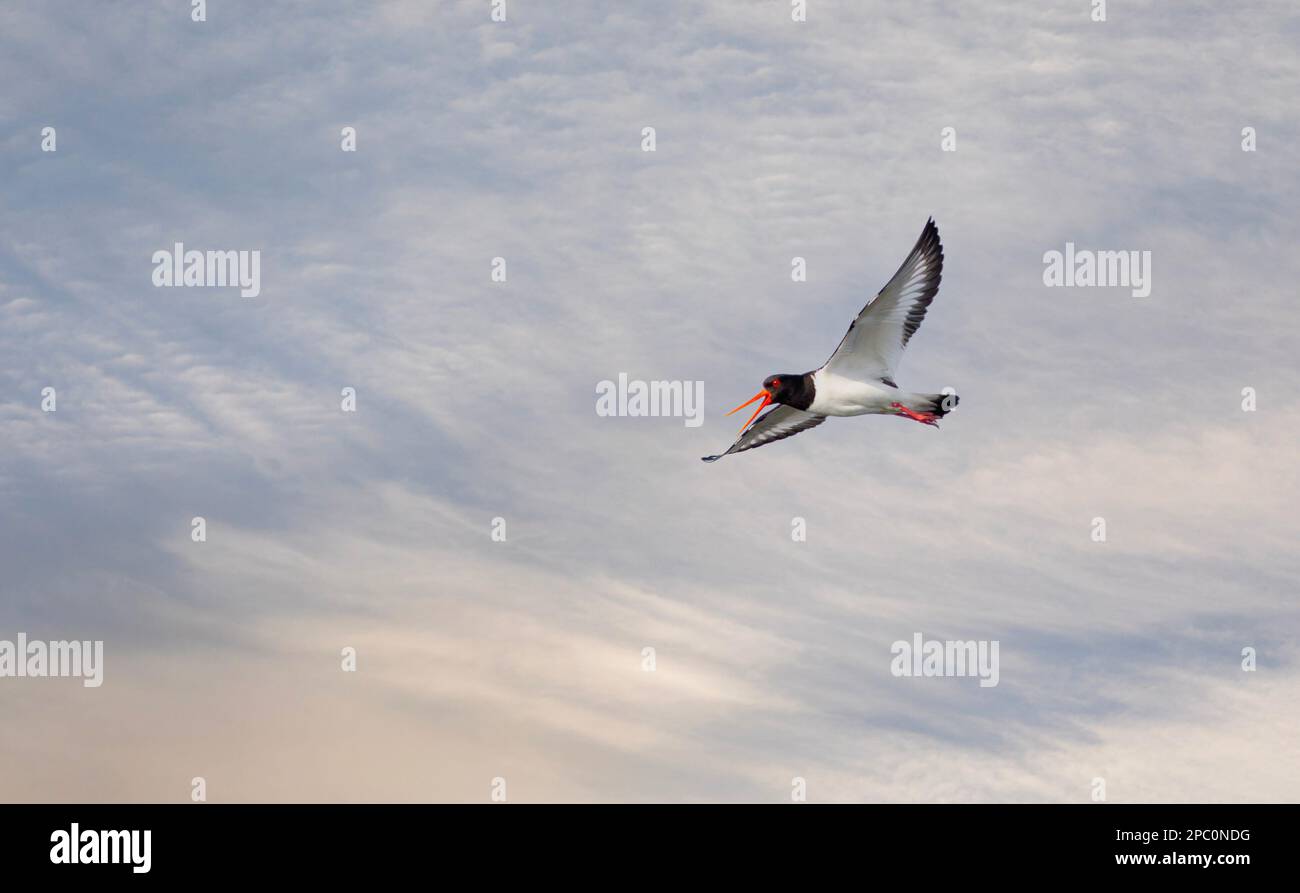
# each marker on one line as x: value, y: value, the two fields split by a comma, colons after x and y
x: 780, y: 423
x: 874, y: 343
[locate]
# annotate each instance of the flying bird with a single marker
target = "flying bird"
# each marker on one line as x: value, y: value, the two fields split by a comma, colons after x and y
x: 858, y: 379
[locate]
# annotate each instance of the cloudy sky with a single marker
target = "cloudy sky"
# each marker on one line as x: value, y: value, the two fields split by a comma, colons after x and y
x: 522, y: 659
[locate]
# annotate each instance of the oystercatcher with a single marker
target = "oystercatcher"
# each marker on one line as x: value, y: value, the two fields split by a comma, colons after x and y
x: 858, y: 379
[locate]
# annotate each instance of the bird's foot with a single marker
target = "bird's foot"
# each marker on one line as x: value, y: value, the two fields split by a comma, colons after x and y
x: 924, y: 418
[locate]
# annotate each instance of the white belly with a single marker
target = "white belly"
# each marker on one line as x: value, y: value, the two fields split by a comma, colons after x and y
x: 841, y: 396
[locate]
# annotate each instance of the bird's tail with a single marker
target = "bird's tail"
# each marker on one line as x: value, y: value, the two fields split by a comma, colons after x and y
x: 941, y: 404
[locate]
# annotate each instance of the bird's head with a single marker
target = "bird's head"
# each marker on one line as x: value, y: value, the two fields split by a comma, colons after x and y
x: 776, y: 388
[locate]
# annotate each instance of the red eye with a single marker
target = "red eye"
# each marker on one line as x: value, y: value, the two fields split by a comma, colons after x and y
x: 776, y: 382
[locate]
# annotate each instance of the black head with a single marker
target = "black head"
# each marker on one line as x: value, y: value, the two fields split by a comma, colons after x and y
x: 778, y: 387
x: 792, y: 390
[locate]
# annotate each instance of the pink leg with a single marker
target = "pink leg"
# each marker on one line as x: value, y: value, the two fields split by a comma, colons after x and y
x: 924, y: 418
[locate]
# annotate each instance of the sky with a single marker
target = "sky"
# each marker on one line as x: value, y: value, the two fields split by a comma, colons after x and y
x: 479, y: 659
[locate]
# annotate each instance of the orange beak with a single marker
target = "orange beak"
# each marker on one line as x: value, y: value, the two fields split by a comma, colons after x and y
x: 761, y: 395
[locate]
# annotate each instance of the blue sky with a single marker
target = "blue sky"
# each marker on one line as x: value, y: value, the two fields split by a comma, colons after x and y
x: 479, y: 659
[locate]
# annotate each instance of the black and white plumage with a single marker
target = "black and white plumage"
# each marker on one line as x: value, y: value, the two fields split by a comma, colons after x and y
x: 858, y: 379
x: 780, y: 423
x: 873, y: 345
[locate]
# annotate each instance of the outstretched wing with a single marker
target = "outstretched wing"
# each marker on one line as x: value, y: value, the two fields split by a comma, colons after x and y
x: 782, y: 422
x: 874, y: 343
